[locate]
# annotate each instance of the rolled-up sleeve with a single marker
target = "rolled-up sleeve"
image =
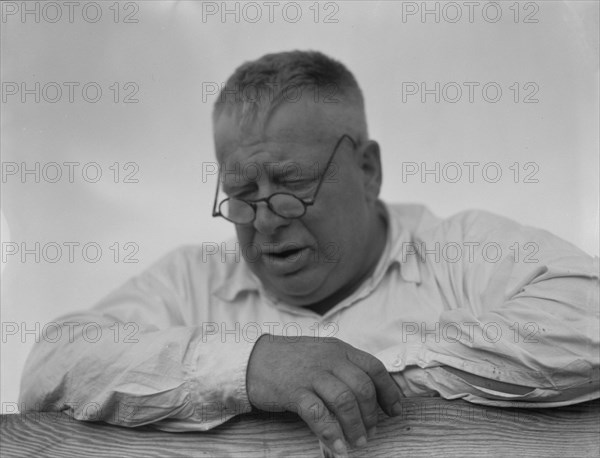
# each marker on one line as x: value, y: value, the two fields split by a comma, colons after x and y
x: 521, y: 319
x: 134, y: 359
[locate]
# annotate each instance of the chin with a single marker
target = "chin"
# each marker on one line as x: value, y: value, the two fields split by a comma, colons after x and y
x: 297, y: 289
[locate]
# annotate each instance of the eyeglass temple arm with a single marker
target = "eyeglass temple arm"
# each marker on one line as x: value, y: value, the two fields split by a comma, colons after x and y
x: 335, y: 149
x: 214, y: 211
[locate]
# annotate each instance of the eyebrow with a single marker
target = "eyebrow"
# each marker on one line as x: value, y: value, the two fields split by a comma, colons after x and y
x: 276, y: 169
x: 276, y: 172
x: 291, y: 169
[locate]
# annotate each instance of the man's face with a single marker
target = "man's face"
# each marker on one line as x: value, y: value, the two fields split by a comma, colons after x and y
x: 305, y: 260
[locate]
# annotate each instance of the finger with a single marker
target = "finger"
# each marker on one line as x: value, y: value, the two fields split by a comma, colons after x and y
x: 320, y: 420
x: 388, y: 393
x: 364, y: 391
x: 326, y: 452
x: 341, y: 401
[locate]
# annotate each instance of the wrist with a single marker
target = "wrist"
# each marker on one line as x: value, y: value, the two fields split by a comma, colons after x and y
x: 253, y: 368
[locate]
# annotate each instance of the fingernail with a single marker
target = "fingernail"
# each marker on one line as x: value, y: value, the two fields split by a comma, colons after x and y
x: 339, y: 447
x: 397, y: 408
x: 371, y: 432
x: 361, y: 442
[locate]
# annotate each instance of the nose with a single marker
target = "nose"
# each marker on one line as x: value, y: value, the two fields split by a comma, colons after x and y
x: 266, y: 221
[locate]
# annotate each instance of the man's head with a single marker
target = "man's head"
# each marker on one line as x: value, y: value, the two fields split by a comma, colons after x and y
x: 276, y: 124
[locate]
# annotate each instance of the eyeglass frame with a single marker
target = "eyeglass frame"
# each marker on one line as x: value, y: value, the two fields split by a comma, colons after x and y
x: 305, y: 202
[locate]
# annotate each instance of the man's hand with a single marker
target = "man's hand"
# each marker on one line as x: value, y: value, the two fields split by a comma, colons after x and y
x: 333, y: 386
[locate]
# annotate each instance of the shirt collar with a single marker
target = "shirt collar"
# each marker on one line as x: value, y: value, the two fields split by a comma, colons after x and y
x: 400, y: 247
x: 399, y: 250
x: 236, y: 279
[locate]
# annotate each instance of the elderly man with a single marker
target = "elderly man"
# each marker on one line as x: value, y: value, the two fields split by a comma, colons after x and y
x: 330, y: 303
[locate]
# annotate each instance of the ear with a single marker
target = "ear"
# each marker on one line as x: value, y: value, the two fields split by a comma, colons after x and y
x: 370, y: 164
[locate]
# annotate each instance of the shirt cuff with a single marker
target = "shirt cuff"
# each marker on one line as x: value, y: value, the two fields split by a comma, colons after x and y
x: 217, y: 386
x: 399, y: 357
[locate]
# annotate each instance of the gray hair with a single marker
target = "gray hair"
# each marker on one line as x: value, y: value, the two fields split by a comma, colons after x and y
x: 258, y: 87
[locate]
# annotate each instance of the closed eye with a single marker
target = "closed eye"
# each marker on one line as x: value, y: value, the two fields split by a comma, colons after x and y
x: 299, y: 185
x: 241, y: 193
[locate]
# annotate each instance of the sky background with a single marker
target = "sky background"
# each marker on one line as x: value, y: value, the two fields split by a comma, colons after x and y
x: 166, y: 58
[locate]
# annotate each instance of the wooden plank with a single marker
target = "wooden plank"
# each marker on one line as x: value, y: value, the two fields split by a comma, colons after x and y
x: 428, y: 427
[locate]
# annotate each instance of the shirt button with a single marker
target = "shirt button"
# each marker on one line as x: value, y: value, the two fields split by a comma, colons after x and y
x: 397, y: 362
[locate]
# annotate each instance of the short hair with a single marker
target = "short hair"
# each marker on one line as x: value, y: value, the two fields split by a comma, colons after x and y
x: 257, y: 88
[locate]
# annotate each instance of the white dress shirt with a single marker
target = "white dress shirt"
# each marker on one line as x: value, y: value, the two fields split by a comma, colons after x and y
x: 475, y: 307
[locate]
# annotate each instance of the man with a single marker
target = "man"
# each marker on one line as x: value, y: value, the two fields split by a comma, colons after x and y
x: 341, y: 304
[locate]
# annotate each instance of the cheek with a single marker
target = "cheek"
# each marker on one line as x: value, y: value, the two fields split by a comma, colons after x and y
x: 341, y: 210
x: 336, y: 231
x: 250, y: 253
x: 245, y: 235
x: 340, y: 222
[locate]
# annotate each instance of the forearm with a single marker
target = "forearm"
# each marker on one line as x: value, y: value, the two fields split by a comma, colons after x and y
x: 171, y: 375
x: 522, y: 352
x: 516, y: 328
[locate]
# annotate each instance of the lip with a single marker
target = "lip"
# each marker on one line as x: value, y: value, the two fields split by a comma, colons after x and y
x: 276, y: 262
x: 282, y: 249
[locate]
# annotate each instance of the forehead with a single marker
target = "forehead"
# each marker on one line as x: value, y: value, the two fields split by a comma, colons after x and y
x: 294, y: 131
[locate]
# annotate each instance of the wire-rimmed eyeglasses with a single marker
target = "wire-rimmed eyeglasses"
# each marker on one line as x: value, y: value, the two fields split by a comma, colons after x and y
x: 283, y: 204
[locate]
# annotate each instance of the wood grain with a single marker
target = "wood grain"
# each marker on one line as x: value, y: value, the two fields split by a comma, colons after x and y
x: 428, y: 427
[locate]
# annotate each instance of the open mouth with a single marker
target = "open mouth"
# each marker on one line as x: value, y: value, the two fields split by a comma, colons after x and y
x: 291, y: 253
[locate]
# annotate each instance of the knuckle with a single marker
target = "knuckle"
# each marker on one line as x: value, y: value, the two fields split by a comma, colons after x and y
x: 354, y: 427
x: 328, y: 433
x: 366, y: 390
x: 376, y: 367
x: 344, y: 401
x: 305, y: 404
x: 330, y: 419
x: 301, y: 396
